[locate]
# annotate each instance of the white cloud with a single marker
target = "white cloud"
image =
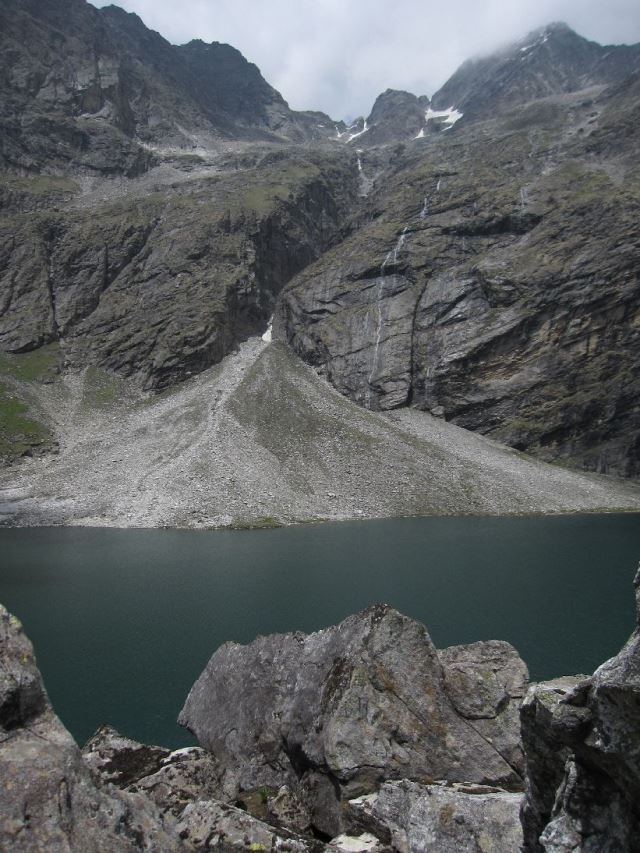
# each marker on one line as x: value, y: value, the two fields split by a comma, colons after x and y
x: 338, y: 55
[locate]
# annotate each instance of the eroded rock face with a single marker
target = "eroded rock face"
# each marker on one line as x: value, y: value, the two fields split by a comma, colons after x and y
x: 582, y: 742
x: 48, y: 799
x: 160, y: 287
x: 334, y: 713
x: 492, y: 295
x: 95, y: 88
x: 414, y: 818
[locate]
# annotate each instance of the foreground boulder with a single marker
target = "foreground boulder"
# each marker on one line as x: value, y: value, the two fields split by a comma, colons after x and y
x: 121, y: 796
x: 582, y: 743
x: 456, y: 818
x: 48, y: 798
x: 333, y: 714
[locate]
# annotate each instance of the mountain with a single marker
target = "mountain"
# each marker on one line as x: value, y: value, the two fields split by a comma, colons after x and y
x: 91, y: 87
x: 549, y: 61
x: 479, y: 265
x: 495, y: 282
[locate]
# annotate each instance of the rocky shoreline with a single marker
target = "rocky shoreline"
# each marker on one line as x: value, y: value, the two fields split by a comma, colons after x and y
x: 359, y: 737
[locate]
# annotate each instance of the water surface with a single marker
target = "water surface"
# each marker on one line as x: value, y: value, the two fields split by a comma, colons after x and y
x: 124, y: 621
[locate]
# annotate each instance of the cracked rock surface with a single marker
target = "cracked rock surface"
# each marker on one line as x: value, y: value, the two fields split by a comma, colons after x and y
x: 582, y: 741
x: 334, y: 713
x: 48, y: 798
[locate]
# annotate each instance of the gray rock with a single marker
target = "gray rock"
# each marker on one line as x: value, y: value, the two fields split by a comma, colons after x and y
x: 546, y: 754
x: 486, y: 683
x: 170, y: 779
x: 48, y: 798
x: 364, y: 843
x: 208, y: 825
x: 335, y: 713
x: 583, y: 759
x: 285, y: 809
x: 415, y: 818
x: 119, y: 759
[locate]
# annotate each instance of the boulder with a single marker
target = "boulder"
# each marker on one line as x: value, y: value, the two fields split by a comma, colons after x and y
x: 209, y: 825
x: 486, y: 683
x: 171, y: 780
x: 457, y: 818
x: 48, y: 798
x: 582, y: 743
x: 335, y: 713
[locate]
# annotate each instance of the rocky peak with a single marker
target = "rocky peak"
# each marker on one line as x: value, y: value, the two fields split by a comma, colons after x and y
x: 75, y: 79
x: 549, y: 61
x: 396, y: 115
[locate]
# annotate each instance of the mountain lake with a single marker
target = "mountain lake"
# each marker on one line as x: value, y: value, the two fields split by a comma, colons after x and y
x: 123, y: 621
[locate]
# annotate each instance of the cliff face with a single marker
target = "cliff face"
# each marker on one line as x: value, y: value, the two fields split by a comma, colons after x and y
x: 94, y: 89
x: 496, y: 283
x: 159, y: 285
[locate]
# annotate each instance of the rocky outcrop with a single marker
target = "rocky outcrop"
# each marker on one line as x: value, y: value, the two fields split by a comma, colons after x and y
x: 456, y: 818
x: 120, y: 795
x: 335, y: 713
x: 48, y: 798
x: 395, y: 116
x: 582, y: 742
x: 387, y: 746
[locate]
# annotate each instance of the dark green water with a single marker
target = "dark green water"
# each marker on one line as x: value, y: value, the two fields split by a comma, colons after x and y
x: 124, y: 621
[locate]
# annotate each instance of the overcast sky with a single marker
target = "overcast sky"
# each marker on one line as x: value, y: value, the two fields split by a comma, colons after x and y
x: 338, y: 55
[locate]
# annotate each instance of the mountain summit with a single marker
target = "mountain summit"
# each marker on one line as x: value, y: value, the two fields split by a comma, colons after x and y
x: 549, y: 61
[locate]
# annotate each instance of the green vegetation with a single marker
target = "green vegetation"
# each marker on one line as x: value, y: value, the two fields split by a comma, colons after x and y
x: 19, y: 433
x: 38, y: 365
x: 38, y: 185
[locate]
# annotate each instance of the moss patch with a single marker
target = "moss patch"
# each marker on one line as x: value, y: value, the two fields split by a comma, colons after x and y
x: 39, y: 365
x: 20, y: 433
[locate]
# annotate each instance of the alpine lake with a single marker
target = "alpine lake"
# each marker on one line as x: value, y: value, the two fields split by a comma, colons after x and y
x: 123, y: 621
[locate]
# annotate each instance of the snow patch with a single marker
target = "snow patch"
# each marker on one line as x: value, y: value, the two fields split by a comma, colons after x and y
x: 420, y: 135
x: 268, y: 334
x: 448, y: 117
x: 359, y: 133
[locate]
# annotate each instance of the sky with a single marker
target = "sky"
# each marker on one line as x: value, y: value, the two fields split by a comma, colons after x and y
x: 338, y: 55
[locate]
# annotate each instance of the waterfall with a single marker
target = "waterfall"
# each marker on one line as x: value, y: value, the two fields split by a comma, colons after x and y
x: 392, y: 255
